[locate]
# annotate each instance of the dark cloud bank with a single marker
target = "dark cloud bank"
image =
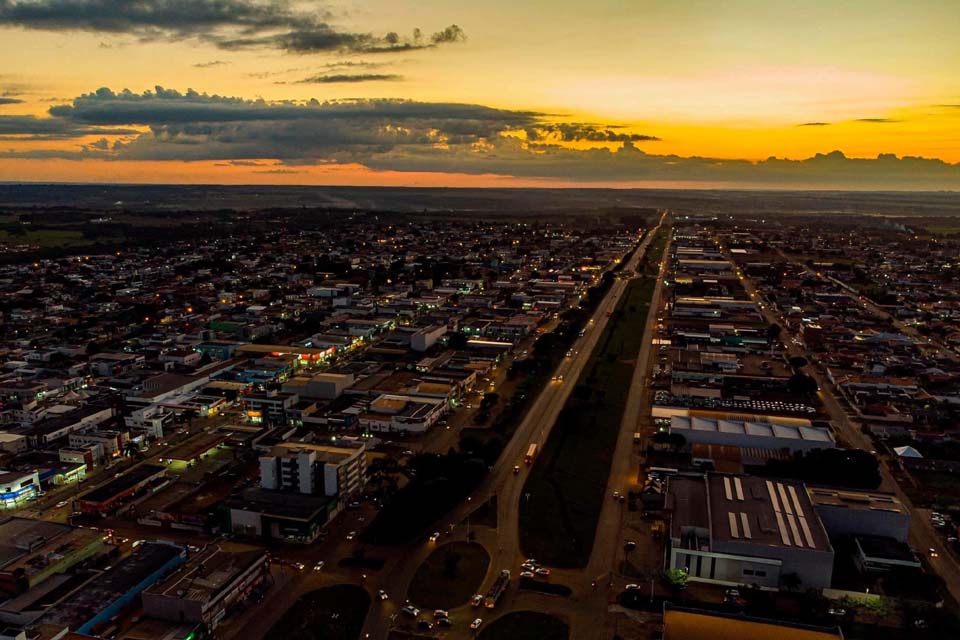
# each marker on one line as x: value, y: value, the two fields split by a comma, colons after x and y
x: 227, y: 24
x: 419, y: 136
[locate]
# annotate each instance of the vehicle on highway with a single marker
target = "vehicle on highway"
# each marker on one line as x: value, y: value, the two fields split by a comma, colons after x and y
x: 444, y: 622
x: 476, y: 624
x: 62, y: 504
x: 299, y: 566
x: 411, y: 611
x: 351, y: 535
x: 543, y: 572
x: 527, y: 574
x: 434, y: 536
x: 476, y: 600
x: 631, y: 587
x: 516, y: 469
x: 383, y: 595
x: 570, y: 353
x: 531, y: 454
x: 933, y: 553
x: 528, y: 566
x: 319, y: 565
x: 440, y: 613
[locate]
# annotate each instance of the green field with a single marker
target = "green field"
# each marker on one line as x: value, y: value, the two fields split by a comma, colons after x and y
x: 449, y: 576
x: 47, y: 238
x: 331, y: 613
x: 526, y: 625
x: 567, y: 484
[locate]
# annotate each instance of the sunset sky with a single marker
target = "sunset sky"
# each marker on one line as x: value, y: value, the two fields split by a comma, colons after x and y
x: 760, y: 94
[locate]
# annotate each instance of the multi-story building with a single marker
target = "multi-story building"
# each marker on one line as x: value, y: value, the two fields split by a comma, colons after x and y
x: 317, y: 469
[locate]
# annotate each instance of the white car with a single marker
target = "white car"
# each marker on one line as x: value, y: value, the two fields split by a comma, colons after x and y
x: 526, y: 574
x: 351, y: 535
x: 319, y: 565
x: 476, y: 624
x: 434, y: 536
x: 382, y: 595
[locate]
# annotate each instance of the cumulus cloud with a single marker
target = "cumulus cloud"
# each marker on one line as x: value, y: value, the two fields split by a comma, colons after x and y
x: 338, y: 78
x: 228, y: 24
x: 403, y: 135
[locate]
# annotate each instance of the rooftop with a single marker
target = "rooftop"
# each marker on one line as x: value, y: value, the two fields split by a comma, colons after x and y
x: 855, y: 500
x: 207, y: 572
x: 701, y: 625
x: 763, y: 511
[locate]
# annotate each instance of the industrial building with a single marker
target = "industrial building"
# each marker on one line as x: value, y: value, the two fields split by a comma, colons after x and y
x: 733, y: 530
x: 33, y: 550
x: 274, y: 515
x: 693, y: 624
x: 204, y: 588
x: 110, y: 496
x: 764, y: 432
x: 850, y: 512
x: 110, y: 592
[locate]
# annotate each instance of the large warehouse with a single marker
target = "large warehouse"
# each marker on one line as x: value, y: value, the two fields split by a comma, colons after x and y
x: 762, y: 432
x: 732, y: 530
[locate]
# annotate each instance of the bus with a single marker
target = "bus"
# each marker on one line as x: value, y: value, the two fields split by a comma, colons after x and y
x: 531, y: 454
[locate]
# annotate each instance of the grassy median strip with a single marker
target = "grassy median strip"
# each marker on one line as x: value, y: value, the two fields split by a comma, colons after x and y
x: 564, y: 493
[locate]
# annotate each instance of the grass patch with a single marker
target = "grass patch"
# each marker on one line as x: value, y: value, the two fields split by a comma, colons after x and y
x: 449, y: 576
x: 332, y: 613
x: 552, y: 588
x: 567, y: 484
x: 526, y: 625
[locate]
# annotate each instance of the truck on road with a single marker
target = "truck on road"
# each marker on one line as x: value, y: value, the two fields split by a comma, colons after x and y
x: 497, y: 589
x: 531, y: 454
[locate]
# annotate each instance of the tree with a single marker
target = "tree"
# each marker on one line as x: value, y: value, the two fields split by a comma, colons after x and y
x: 451, y: 565
x: 676, y: 579
x: 791, y: 581
x: 676, y: 441
x: 774, y: 331
x: 800, y: 384
x: 457, y: 340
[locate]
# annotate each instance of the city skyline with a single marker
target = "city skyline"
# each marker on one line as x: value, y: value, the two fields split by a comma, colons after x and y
x: 751, y: 94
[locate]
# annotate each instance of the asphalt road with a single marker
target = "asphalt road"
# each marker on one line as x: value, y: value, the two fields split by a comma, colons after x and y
x: 504, y: 548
